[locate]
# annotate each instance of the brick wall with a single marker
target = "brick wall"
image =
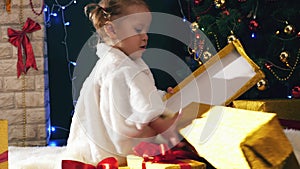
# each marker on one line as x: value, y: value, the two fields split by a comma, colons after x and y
x: 26, y: 94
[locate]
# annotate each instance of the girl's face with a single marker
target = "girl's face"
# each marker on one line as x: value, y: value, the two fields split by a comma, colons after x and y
x: 131, y: 31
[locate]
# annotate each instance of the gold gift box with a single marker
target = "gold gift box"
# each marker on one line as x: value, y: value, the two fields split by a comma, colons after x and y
x: 230, y: 138
x: 3, y: 144
x: 135, y: 162
x: 286, y: 109
x: 222, y: 79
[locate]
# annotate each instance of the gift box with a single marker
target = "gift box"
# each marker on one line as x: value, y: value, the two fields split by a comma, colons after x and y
x: 287, y: 110
x: 3, y: 144
x: 136, y: 162
x: 231, y: 138
x: 222, y: 79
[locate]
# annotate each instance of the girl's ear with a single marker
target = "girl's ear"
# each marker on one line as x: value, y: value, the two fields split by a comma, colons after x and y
x: 109, y: 30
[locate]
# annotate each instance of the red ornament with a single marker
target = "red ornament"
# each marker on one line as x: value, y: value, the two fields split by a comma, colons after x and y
x: 197, y: 2
x: 253, y: 25
x: 226, y: 12
x: 296, y: 92
x: 268, y: 65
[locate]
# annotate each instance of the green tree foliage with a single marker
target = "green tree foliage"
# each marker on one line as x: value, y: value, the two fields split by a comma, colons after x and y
x: 269, y: 31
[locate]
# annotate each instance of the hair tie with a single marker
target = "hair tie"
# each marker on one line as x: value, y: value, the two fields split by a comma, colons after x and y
x: 104, y: 10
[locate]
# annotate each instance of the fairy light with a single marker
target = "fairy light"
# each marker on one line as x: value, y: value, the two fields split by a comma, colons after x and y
x: 181, y: 11
x: 58, y: 10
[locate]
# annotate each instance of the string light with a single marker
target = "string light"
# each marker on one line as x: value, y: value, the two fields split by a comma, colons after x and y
x: 181, y: 11
x: 56, y: 10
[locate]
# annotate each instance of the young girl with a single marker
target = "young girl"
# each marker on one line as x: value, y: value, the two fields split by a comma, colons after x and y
x: 119, y: 105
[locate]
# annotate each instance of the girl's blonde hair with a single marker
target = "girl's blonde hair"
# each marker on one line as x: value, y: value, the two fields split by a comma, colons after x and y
x: 108, y: 10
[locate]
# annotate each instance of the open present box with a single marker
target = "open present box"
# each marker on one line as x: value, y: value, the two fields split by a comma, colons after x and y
x: 3, y: 144
x: 219, y: 81
x: 230, y: 138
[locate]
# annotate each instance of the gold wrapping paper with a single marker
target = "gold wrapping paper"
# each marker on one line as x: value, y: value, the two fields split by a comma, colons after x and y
x: 238, y: 139
x: 135, y: 162
x: 284, y: 108
x: 3, y: 141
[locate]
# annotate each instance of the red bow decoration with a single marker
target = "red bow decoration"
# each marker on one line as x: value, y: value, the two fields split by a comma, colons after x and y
x: 160, y: 153
x: 107, y: 163
x: 20, y: 39
x: 4, y: 157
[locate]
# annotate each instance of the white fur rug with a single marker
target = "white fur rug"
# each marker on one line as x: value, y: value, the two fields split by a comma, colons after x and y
x: 50, y: 157
x: 34, y: 157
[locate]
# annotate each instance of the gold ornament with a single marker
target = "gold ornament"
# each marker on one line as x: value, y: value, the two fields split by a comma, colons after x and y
x: 262, y: 84
x: 206, y: 55
x: 194, y: 26
x: 219, y: 3
x: 291, y: 71
x: 284, y: 57
x: 231, y: 38
x: 289, y: 29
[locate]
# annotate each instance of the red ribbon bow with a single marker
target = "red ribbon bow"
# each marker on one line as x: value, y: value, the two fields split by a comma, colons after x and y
x: 107, y: 163
x: 160, y: 153
x: 4, y: 157
x: 20, y: 39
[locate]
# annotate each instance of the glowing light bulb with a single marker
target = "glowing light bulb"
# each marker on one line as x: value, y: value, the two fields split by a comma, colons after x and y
x: 73, y: 63
x: 52, y: 144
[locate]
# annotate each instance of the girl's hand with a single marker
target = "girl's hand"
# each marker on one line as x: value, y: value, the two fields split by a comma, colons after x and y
x: 170, y: 90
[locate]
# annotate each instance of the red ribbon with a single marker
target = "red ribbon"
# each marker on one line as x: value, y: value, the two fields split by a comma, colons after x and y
x: 160, y: 153
x: 4, y: 157
x: 107, y: 163
x: 20, y: 39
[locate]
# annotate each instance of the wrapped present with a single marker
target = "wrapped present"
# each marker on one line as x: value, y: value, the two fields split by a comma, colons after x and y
x: 136, y: 162
x: 108, y: 163
x: 287, y: 110
x: 230, y: 138
x: 160, y: 156
x: 3, y: 144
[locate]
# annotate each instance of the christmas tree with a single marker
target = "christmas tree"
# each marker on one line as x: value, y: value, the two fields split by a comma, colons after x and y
x: 269, y: 31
